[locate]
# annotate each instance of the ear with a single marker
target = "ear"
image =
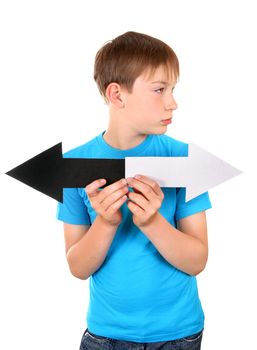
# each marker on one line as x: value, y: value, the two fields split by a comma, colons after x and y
x: 113, y: 94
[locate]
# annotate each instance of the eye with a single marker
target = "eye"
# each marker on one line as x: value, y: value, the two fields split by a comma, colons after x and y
x: 159, y: 90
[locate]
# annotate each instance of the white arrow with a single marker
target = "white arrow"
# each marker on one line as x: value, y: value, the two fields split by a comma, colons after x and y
x: 198, y: 172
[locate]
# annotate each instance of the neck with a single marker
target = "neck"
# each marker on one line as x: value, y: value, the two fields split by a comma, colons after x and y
x: 121, y: 135
x: 122, y: 140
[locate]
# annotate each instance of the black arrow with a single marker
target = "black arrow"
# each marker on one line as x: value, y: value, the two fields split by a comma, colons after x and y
x: 48, y: 172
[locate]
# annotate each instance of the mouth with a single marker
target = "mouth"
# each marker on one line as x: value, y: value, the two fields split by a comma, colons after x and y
x: 167, y: 121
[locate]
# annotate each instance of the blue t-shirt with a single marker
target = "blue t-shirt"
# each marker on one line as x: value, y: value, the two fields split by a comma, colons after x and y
x: 136, y: 294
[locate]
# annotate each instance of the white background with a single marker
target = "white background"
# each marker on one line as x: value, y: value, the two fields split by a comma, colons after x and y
x: 48, y: 95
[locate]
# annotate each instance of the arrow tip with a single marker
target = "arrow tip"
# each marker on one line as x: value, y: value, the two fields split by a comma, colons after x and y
x: 42, y: 172
x: 206, y: 171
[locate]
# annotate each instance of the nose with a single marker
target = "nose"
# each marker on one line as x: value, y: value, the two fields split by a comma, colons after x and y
x: 170, y: 103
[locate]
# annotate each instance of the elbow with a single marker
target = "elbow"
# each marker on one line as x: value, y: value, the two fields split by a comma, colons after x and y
x: 83, y: 278
x: 78, y: 275
x: 197, y: 271
x: 198, y: 268
x: 73, y: 268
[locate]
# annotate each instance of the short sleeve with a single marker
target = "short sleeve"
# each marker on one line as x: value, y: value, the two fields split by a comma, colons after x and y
x: 195, y: 205
x: 73, y: 209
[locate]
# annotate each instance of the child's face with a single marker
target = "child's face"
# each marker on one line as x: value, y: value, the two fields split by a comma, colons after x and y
x: 150, y: 102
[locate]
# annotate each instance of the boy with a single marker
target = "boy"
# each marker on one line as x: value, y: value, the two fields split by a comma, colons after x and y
x: 141, y: 245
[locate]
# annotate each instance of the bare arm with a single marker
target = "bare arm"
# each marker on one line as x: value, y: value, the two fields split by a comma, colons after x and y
x: 186, y: 247
x: 87, y: 246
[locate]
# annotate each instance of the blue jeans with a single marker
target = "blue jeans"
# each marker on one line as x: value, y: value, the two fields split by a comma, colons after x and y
x: 92, y: 341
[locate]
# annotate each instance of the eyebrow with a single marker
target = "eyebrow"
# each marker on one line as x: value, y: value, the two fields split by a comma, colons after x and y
x: 160, y: 82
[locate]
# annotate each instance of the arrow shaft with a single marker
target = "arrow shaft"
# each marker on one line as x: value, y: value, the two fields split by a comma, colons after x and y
x: 79, y: 172
x: 167, y: 171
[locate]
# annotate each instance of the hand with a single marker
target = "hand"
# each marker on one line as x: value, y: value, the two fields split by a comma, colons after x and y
x: 147, y: 199
x: 108, y: 201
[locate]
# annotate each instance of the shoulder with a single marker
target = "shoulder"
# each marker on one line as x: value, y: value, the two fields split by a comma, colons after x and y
x: 86, y: 150
x: 174, y: 146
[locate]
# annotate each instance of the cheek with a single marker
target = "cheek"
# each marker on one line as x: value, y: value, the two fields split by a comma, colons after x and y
x: 150, y: 103
x: 143, y: 107
x: 148, y: 111
x: 140, y: 106
x: 155, y: 106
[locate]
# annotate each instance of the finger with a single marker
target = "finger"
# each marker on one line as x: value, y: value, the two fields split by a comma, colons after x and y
x: 142, y: 187
x: 135, y: 209
x: 138, y: 199
x: 111, y: 188
x: 115, y: 206
x: 92, y: 188
x: 113, y: 197
x: 150, y: 182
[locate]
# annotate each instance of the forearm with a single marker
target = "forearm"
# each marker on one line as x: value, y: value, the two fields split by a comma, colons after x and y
x: 183, y: 251
x: 87, y: 255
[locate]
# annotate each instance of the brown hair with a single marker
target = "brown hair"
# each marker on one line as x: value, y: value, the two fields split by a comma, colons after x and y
x: 124, y: 58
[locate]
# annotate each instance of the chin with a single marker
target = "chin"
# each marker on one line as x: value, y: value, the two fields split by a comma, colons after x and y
x: 159, y: 132
x: 155, y: 131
